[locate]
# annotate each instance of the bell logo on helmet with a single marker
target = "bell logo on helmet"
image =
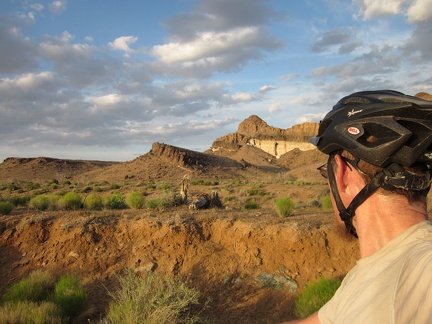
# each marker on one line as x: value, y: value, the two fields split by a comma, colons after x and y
x: 353, y: 130
x: 353, y: 112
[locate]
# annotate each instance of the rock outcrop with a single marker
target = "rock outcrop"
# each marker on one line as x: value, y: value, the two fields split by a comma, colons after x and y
x: 255, y: 132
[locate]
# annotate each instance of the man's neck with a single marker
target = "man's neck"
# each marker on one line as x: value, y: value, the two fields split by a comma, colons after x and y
x: 381, y: 218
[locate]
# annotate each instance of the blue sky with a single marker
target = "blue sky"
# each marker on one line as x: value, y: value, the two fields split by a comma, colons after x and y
x: 104, y: 79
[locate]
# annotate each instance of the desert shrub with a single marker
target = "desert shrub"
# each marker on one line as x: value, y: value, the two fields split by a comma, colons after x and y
x: 53, y: 201
x: 115, y: 186
x: 6, y: 207
x: 69, y: 295
x: 70, y: 201
x: 31, y: 313
x: 161, y: 202
x: 284, y: 207
x: 33, y: 288
x: 93, y: 202
x: 115, y: 201
x: 152, y: 299
x: 135, y: 200
x: 86, y: 189
x: 20, y: 200
x: 326, y: 202
x: 163, y: 185
x: 40, y: 202
x: 314, y: 296
x: 31, y: 185
x: 152, y: 203
x: 251, y: 204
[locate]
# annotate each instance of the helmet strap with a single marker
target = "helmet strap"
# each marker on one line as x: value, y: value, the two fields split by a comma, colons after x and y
x: 347, y: 213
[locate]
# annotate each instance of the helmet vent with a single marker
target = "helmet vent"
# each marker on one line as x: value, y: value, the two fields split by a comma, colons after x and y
x: 386, y: 99
x: 356, y: 100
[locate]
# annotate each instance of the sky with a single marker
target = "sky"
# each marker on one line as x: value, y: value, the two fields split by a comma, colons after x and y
x: 104, y: 79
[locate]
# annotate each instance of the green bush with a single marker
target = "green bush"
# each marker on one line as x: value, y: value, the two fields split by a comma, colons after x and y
x: 93, y: 202
x: 69, y: 295
x: 152, y: 299
x: 153, y: 203
x: 33, y: 288
x: 31, y: 313
x: 70, y: 201
x: 115, y: 201
x: 6, y: 207
x: 251, y: 204
x: 20, y: 200
x: 40, y: 202
x: 314, y: 296
x: 326, y: 203
x: 284, y: 207
x: 135, y: 200
x: 161, y: 202
x: 31, y: 186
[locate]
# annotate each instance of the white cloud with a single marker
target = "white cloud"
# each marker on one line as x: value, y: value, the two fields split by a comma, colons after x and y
x: 206, y: 45
x: 266, y: 88
x: 123, y: 43
x: 420, y: 10
x: 58, y: 6
x: 414, y: 10
x: 378, y: 8
x: 275, y: 107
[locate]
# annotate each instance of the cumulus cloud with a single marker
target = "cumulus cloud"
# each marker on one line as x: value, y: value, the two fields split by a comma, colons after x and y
x: 17, y: 52
x: 414, y: 10
x: 216, y: 36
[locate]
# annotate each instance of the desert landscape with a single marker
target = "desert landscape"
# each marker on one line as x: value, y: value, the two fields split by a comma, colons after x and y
x: 243, y: 257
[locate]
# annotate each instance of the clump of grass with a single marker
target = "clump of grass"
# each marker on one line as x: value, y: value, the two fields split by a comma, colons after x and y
x: 251, y: 204
x: 30, y: 312
x: 314, y: 296
x: 39, y: 299
x: 94, y: 202
x: 326, y: 202
x: 70, y: 201
x: 6, y: 207
x: 135, y: 200
x: 152, y: 299
x: 115, y: 201
x: 69, y: 295
x: 284, y: 206
x: 33, y: 288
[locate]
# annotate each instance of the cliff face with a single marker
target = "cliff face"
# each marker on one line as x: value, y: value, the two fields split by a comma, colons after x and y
x: 255, y: 132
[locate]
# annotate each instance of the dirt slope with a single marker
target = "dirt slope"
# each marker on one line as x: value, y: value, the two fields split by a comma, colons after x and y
x: 250, y: 264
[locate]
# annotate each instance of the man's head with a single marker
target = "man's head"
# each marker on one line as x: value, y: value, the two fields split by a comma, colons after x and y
x: 387, y: 137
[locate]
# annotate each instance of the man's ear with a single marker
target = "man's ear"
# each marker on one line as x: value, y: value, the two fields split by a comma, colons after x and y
x: 341, y: 173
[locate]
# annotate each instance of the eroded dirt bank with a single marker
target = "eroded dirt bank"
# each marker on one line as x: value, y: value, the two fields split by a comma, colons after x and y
x: 250, y: 266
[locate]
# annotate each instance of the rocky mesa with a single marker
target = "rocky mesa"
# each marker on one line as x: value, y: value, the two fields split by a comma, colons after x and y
x: 255, y: 132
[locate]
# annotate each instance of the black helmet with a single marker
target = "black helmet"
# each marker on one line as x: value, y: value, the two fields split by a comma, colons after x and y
x: 385, y: 128
x: 379, y: 127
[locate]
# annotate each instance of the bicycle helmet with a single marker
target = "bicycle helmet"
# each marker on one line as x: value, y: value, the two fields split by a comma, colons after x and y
x: 385, y: 128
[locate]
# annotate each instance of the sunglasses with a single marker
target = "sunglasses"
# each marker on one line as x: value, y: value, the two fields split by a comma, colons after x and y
x: 323, y: 170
